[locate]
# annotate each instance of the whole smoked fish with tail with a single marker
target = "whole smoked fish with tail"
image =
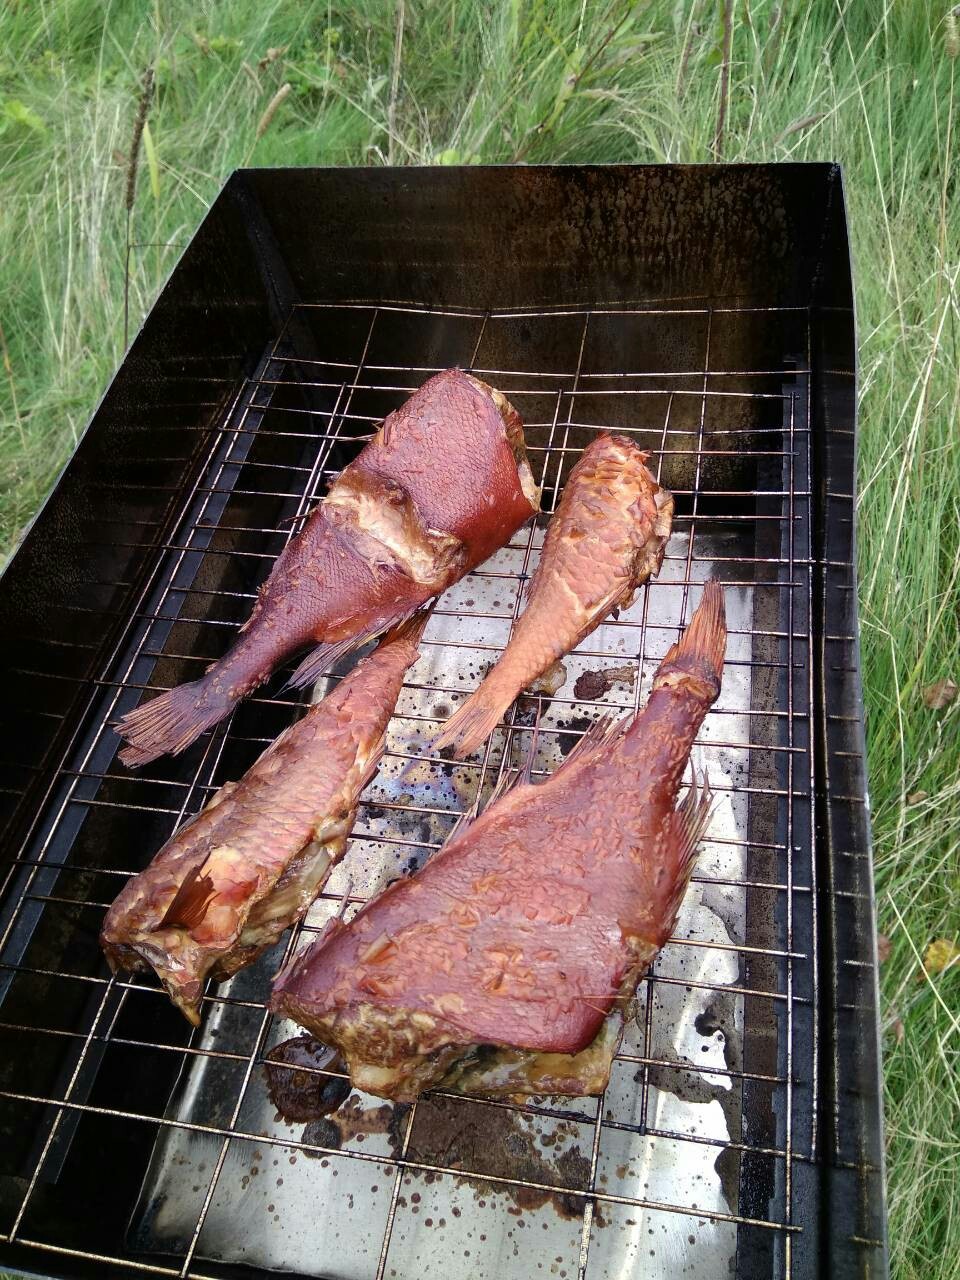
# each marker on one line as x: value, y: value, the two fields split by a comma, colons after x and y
x: 227, y: 884
x: 443, y: 484
x: 606, y: 538
x: 504, y: 965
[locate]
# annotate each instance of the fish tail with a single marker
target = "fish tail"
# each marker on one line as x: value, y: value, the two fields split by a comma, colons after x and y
x: 698, y: 654
x: 470, y: 726
x: 175, y: 719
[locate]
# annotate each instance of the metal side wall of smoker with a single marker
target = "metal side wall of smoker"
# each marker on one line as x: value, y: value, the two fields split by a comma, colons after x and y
x: 708, y: 312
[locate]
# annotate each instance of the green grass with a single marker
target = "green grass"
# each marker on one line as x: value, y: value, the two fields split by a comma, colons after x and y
x: 869, y: 84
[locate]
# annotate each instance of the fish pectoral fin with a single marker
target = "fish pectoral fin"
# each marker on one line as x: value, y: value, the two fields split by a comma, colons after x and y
x: 218, y: 797
x: 190, y: 903
x: 319, y: 660
x: 688, y: 823
x: 373, y: 764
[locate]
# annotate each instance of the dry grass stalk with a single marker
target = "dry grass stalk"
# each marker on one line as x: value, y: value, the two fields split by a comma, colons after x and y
x: 952, y: 37
x: 797, y: 126
x: 272, y: 107
x: 395, y: 82
x: 724, y: 78
x: 133, y: 160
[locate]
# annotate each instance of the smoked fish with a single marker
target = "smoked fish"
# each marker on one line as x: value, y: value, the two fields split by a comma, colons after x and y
x: 506, y: 964
x: 443, y: 484
x: 606, y: 538
x: 232, y: 879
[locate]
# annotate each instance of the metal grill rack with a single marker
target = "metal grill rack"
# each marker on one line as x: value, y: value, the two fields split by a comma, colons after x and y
x: 272, y: 452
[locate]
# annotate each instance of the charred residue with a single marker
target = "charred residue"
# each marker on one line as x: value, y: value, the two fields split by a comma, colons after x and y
x: 482, y: 1139
x: 594, y: 684
x: 300, y: 1082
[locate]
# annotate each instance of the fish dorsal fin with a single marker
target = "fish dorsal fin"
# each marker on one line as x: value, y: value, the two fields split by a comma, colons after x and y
x: 464, y: 821
x: 597, y: 738
x: 689, y: 822
x: 508, y: 781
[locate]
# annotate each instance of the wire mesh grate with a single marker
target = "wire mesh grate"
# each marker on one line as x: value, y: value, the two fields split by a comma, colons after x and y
x: 704, y: 1132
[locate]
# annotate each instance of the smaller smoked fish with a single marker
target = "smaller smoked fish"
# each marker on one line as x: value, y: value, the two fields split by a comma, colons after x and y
x: 504, y: 965
x: 231, y: 880
x: 606, y: 538
x: 442, y: 485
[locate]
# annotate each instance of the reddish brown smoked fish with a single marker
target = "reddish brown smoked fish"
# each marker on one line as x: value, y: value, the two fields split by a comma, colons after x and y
x: 442, y: 485
x: 229, y: 882
x: 503, y: 966
x: 606, y: 538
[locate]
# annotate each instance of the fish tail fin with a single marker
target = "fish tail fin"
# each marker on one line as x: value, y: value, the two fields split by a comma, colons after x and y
x: 699, y: 652
x: 175, y: 719
x: 472, y: 724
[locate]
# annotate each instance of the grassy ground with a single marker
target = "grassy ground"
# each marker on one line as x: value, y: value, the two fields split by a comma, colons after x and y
x: 870, y: 84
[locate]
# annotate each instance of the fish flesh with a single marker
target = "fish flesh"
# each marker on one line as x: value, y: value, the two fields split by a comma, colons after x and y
x: 443, y: 484
x: 506, y: 965
x: 232, y: 879
x: 606, y: 538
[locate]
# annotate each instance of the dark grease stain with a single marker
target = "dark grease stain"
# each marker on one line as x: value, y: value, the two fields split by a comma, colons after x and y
x: 706, y: 1023
x: 594, y: 684
x: 567, y: 741
x: 321, y: 1133
x: 353, y: 1122
x: 492, y: 1140
x: 727, y: 1165
x: 298, y: 1088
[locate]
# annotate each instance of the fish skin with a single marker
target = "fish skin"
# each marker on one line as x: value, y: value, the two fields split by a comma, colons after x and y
x: 232, y: 879
x: 606, y: 538
x: 535, y: 921
x: 442, y: 485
